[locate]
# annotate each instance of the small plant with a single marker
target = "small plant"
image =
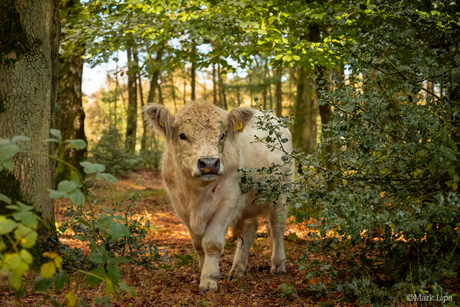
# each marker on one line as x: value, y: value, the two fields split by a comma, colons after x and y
x: 113, y: 237
x: 286, y: 290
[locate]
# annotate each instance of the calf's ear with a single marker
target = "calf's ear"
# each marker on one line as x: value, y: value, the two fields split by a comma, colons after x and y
x: 237, y: 119
x: 159, y: 118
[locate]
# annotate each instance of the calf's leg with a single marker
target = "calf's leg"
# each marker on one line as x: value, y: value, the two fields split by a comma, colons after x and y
x: 277, y: 224
x: 197, y: 245
x: 243, y: 247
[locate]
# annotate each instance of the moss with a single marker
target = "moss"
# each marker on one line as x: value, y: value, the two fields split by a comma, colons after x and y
x: 11, y: 187
x: 15, y: 41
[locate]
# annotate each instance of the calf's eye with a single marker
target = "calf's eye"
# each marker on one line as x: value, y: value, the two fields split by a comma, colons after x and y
x: 223, y: 136
x: 182, y: 136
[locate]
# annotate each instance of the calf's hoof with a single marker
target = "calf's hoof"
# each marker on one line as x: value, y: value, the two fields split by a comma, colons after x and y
x: 278, y: 270
x: 235, y: 274
x: 208, y: 284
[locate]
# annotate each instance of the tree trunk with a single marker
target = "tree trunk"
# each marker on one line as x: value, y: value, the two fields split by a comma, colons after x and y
x: 28, y: 91
x: 238, y: 88
x: 141, y: 96
x: 270, y: 96
x: 72, y: 116
x: 155, y: 77
x: 193, y: 72
x: 279, y: 98
x: 214, y: 84
x: 223, y: 100
x: 304, y: 130
x: 131, y: 125
x: 264, y: 83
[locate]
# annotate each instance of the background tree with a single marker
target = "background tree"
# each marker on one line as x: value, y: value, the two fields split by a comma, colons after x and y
x: 71, y: 116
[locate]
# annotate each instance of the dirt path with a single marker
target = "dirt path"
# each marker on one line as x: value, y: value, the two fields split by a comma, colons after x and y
x: 178, y: 285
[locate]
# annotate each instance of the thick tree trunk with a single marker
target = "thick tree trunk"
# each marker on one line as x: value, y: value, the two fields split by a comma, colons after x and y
x: 304, y: 130
x: 72, y: 115
x: 279, y: 98
x: 131, y: 125
x: 28, y: 90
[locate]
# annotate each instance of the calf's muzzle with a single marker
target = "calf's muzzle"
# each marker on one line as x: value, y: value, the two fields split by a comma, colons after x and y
x: 208, y: 166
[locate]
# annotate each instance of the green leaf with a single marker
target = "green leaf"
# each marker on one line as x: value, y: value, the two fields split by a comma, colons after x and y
x: 113, y: 274
x: 117, y: 229
x: 96, y: 277
x: 98, y: 301
x: 56, y: 194
x: 26, y: 256
x: 59, y: 280
x: 432, y: 167
x: 96, y: 257
x: 67, y: 186
x: 8, y: 151
x: 428, y: 227
x: 5, y: 199
x: 91, y: 168
x: 26, y: 236
x: 77, y: 144
x: 48, y: 270
x: 20, y: 138
x: 6, y: 225
x: 125, y: 287
x: 41, y: 284
x: 15, y: 281
x: 108, y: 177
x: 77, y: 197
x: 105, y: 220
x: 27, y: 218
x: 56, y: 133
x: 52, y: 140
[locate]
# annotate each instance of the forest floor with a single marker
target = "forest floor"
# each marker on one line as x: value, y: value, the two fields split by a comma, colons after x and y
x: 176, y: 284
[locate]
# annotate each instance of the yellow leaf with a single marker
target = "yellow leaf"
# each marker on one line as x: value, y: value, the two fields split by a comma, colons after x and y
x: 454, y: 186
x: 72, y: 300
x: 108, y: 286
x: 26, y: 256
x: 50, y: 255
x: 58, y: 262
x: 47, y: 270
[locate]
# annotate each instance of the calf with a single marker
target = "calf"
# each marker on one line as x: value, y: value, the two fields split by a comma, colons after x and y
x: 205, y: 147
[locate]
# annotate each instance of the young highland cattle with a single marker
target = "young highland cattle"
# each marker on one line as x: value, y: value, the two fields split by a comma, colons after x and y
x: 205, y: 147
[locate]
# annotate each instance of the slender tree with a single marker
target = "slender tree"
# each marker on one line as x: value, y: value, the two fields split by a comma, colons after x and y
x: 278, y: 92
x: 131, y: 126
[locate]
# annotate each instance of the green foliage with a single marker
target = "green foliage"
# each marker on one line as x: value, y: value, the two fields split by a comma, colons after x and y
x: 111, y: 152
x: 286, y: 290
x: 119, y: 235
x: 114, y: 237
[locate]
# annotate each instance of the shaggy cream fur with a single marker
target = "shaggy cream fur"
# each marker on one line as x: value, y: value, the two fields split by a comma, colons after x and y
x: 209, y: 204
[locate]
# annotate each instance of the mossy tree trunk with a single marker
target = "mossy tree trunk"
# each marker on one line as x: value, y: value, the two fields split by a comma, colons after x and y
x: 72, y: 115
x: 28, y: 90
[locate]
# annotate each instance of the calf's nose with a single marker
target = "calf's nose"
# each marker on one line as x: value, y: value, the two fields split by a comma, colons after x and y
x: 208, y: 166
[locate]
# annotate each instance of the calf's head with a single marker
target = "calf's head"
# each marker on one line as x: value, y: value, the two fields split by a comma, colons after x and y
x: 198, y: 134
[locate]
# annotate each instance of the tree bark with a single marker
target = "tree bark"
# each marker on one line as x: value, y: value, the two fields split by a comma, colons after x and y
x: 279, y: 98
x: 214, y: 84
x: 264, y: 84
x: 28, y: 91
x: 72, y: 115
x: 131, y: 125
x: 304, y: 130
x: 193, y: 72
x: 155, y: 77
